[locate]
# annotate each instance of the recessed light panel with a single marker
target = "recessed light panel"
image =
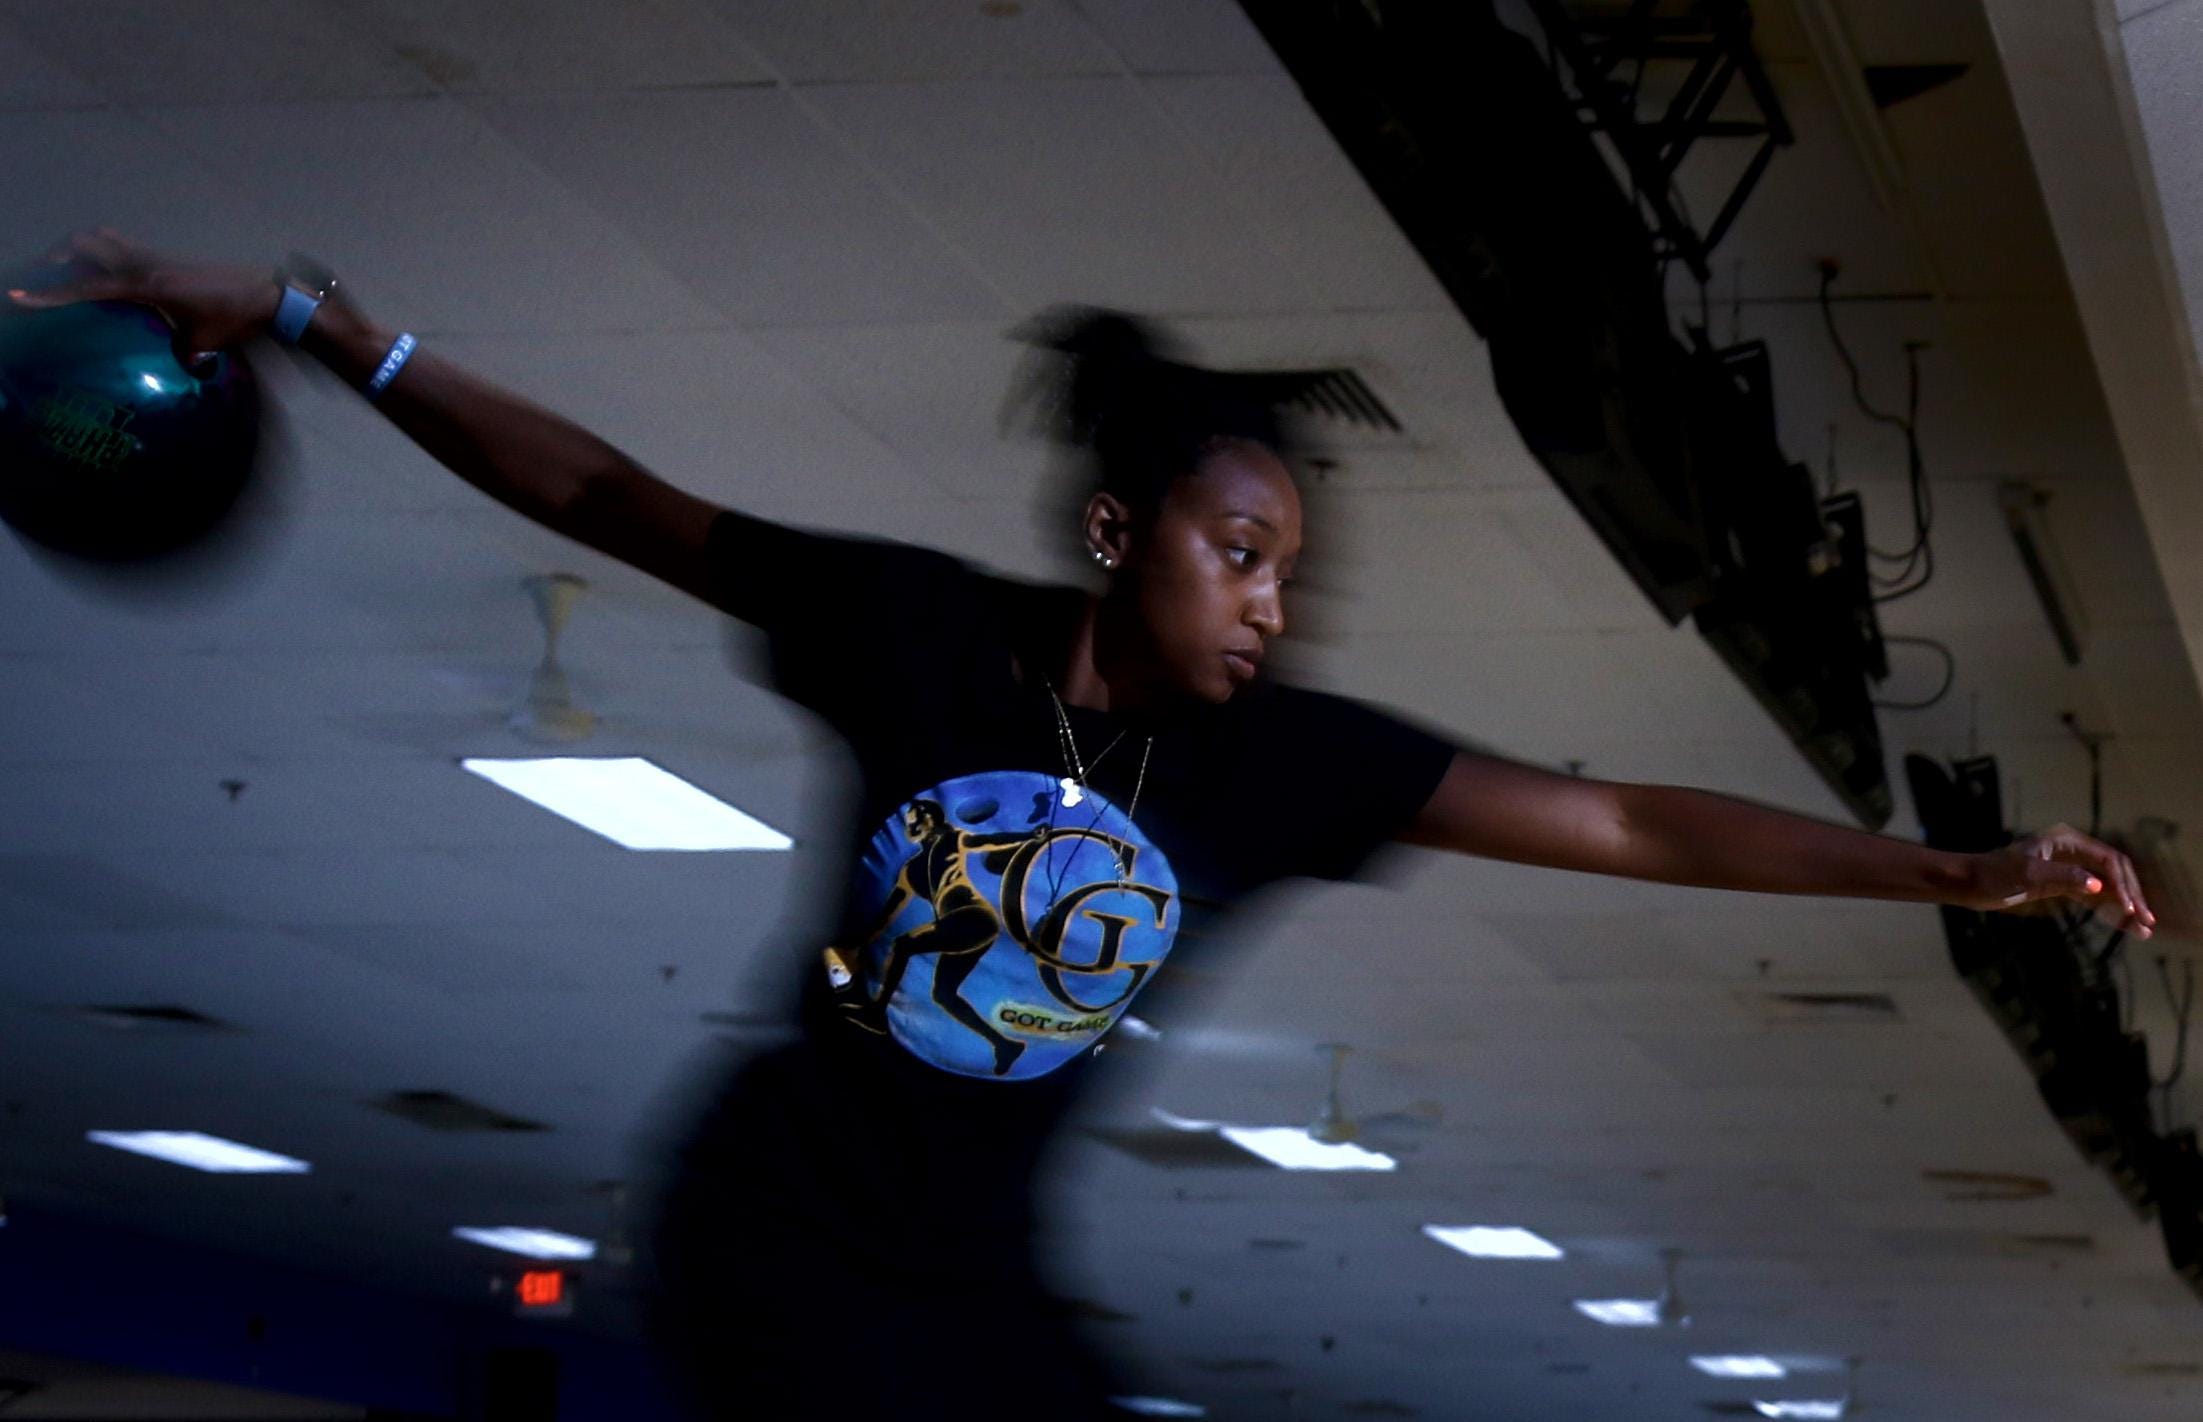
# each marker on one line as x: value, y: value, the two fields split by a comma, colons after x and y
x: 1739, y: 1366
x: 1292, y: 1148
x: 200, y: 1151
x: 631, y: 802
x: 1810, y: 1410
x: 1621, y: 1313
x: 1158, y: 1407
x: 533, y: 1243
x: 1494, y: 1242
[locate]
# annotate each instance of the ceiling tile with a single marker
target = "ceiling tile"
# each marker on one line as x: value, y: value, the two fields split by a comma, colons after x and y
x: 708, y: 410
x: 230, y: 51
x: 1299, y: 193
x: 357, y: 183
x: 1181, y: 36
x: 851, y: 41
x: 937, y: 393
x: 76, y: 169
x: 521, y: 46
x: 32, y: 79
x: 1438, y: 561
x: 1068, y: 190
x: 744, y: 198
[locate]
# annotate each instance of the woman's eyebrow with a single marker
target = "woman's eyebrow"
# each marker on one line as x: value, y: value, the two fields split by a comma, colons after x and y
x: 1257, y: 519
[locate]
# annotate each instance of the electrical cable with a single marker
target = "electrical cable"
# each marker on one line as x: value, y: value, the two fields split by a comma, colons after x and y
x: 1950, y: 673
x: 1921, y: 555
x: 2183, y: 1004
x: 1915, y: 566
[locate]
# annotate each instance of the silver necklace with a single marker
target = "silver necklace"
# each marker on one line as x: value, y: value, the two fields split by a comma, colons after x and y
x: 1073, y: 786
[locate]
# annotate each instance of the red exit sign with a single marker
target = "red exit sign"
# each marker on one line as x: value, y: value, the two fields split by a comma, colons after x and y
x: 543, y: 1292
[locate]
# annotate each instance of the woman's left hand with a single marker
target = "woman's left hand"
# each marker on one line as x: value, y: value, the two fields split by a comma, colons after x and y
x: 2062, y: 863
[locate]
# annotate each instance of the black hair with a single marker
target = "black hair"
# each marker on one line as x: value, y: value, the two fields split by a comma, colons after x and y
x: 1110, y: 385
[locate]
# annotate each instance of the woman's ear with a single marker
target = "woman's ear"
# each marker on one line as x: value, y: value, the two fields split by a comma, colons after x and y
x: 1108, y: 530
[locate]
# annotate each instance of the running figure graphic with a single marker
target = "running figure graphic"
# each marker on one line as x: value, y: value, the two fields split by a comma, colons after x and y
x: 965, y: 925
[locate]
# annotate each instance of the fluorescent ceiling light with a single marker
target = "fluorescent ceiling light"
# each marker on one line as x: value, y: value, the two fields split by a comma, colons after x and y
x: 1289, y: 1147
x: 201, y: 1152
x: 534, y: 1243
x: 1739, y: 1367
x: 1621, y: 1313
x: 1158, y: 1407
x: 630, y: 802
x: 2026, y: 517
x: 1292, y: 1148
x: 1494, y: 1242
x: 1811, y: 1411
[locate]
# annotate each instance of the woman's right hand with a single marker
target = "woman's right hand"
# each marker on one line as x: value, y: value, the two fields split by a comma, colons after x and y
x: 212, y: 307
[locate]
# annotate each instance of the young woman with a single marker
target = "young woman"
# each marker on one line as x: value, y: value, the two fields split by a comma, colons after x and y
x: 1056, y: 787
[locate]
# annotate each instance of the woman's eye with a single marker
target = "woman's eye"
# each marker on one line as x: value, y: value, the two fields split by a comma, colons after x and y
x: 1243, y: 557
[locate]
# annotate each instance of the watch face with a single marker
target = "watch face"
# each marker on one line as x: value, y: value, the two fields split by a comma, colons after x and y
x: 304, y: 272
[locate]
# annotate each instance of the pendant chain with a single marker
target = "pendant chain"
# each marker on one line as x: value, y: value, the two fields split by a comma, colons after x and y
x: 1074, y: 785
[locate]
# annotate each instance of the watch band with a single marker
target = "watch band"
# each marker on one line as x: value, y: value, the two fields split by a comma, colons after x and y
x: 293, y: 312
x: 306, y: 284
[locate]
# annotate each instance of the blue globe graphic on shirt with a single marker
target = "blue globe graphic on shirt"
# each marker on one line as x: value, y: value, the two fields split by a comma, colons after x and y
x: 1008, y: 929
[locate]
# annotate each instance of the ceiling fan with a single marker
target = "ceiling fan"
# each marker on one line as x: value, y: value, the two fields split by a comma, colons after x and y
x: 547, y: 714
x: 1334, y: 1126
x: 535, y: 705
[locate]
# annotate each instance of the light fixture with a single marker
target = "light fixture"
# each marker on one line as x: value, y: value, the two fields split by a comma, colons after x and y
x: 1494, y: 1242
x: 631, y: 802
x: 1739, y: 1366
x: 548, y: 715
x: 1818, y: 1409
x: 531, y: 1243
x: 2027, y: 519
x: 200, y: 1151
x: 1666, y: 1311
x: 1158, y: 1407
x: 1673, y: 1313
x: 1287, y: 1147
x: 1621, y: 1313
x: 1293, y: 1148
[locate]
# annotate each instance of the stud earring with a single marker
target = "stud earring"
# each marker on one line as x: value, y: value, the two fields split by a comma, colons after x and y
x: 1109, y: 564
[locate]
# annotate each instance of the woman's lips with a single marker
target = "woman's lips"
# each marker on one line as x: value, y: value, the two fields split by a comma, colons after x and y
x: 1242, y: 666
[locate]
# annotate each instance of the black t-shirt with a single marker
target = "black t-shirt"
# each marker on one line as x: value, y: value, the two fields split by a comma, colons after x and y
x: 1001, y: 916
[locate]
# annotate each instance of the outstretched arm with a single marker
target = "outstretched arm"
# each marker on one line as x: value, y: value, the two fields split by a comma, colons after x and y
x: 1497, y: 809
x: 535, y: 462
x: 538, y: 463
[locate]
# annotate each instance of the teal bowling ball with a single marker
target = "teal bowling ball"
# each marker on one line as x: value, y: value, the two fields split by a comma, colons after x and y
x: 112, y: 448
